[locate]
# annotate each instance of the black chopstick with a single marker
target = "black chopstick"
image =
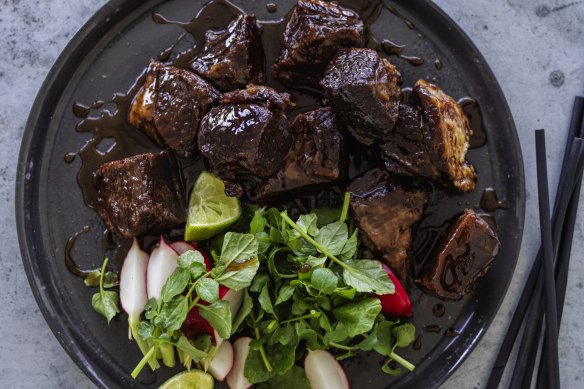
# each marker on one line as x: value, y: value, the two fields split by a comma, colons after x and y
x: 570, y: 156
x: 551, y: 308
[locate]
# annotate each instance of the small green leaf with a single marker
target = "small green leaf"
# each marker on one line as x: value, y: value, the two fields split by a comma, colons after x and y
x: 265, y: 300
x: 258, y: 223
x: 327, y: 215
x: 218, y: 314
x: 366, y: 275
x: 307, y: 224
x: 184, y: 345
x: 238, y: 248
x: 324, y: 280
x: 304, y: 332
x: 388, y: 368
x: 313, y: 261
x: 404, y: 334
x: 333, y: 237
x: 281, y: 358
x: 284, y: 294
x: 176, y: 284
x: 350, y: 247
x: 295, y: 378
x: 358, y: 317
x: 239, y: 274
x: 174, y: 313
x: 189, y: 257
x: 110, y: 279
x: 207, y: 289
x: 145, y: 330
x: 244, y: 311
x: 259, y: 282
x: 151, y: 309
x: 106, y: 303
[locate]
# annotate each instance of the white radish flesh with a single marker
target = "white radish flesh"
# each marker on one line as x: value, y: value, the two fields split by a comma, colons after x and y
x: 235, y: 378
x: 133, y: 295
x: 163, y: 262
x: 235, y: 298
x: 182, y: 247
x: 323, y: 371
x: 222, y: 362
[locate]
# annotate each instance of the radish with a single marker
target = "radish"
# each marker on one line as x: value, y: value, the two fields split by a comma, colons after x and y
x: 163, y: 262
x: 182, y: 247
x: 133, y: 295
x: 396, y: 304
x: 234, y: 297
x: 222, y: 362
x: 323, y: 371
x: 236, y: 379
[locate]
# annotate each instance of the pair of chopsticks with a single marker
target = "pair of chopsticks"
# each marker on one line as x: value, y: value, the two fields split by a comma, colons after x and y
x: 545, y: 290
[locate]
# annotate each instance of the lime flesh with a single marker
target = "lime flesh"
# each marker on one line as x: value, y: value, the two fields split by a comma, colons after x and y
x: 194, y: 379
x: 210, y: 209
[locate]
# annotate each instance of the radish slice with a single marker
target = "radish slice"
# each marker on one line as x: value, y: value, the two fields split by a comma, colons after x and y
x: 163, y: 262
x: 235, y: 298
x: 133, y: 296
x: 182, y: 247
x: 235, y: 378
x: 324, y: 372
x: 222, y: 362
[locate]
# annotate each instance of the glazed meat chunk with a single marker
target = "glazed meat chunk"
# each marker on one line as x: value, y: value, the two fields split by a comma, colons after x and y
x: 316, y: 30
x: 234, y: 57
x: 316, y: 158
x: 140, y: 194
x: 405, y: 150
x: 246, y: 135
x: 170, y: 105
x: 362, y: 88
x: 466, y: 255
x: 448, y: 134
x: 385, y: 213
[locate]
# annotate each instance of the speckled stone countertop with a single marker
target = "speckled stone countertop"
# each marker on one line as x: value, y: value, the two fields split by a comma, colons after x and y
x: 535, y: 48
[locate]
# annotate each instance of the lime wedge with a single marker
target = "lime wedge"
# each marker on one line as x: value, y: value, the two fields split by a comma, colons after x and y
x: 210, y: 209
x: 194, y: 379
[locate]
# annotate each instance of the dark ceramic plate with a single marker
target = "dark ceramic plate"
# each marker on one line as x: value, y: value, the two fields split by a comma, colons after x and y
x: 106, y: 56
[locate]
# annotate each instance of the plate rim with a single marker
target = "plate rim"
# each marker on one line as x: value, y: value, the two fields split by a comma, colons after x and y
x: 103, y: 18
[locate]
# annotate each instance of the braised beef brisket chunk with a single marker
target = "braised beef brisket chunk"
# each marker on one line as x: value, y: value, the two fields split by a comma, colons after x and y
x: 448, y: 135
x: 234, y: 57
x: 316, y: 30
x: 362, y: 88
x: 170, y: 105
x: 246, y: 135
x: 140, y: 194
x: 316, y: 158
x: 404, y: 150
x: 385, y: 213
x: 466, y: 255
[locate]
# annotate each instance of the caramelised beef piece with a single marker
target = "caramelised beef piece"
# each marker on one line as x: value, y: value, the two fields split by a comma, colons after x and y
x: 316, y: 30
x: 170, y: 105
x: 362, y: 88
x: 385, y: 213
x: 317, y: 157
x: 405, y: 150
x: 140, y: 194
x: 466, y: 255
x: 246, y: 135
x: 448, y: 134
x: 232, y: 58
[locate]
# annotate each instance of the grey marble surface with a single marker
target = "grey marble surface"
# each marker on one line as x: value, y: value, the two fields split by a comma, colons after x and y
x: 535, y: 48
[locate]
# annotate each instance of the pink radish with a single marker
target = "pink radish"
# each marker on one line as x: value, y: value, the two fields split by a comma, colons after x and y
x: 235, y: 298
x: 222, y: 362
x: 133, y: 295
x: 235, y: 378
x: 182, y: 247
x: 323, y: 371
x: 163, y: 262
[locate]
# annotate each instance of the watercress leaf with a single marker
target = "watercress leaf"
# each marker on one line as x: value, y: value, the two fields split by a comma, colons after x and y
x: 304, y: 332
x: 346, y: 293
x: 300, y: 306
x: 284, y: 293
x: 203, y: 342
x: 366, y: 275
x: 207, y: 289
x: 110, y: 279
x: 307, y: 224
x: 259, y: 282
x: 287, y: 335
x: 145, y: 330
x: 274, y: 218
x: 151, y: 308
x: 295, y: 378
x: 383, y: 338
x: 218, y: 314
x: 281, y: 358
x: 327, y: 215
x: 358, y: 317
x: 265, y: 300
x: 184, y: 345
x: 186, y: 259
x: 258, y: 223
x: 324, y: 302
x: 239, y: 274
x: 243, y: 312
x: 339, y: 334
x: 313, y: 261
x: 106, y: 303
x: 238, y: 248
x: 301, y: 247
x: 350, y: 247
x: 173, y: 313
x: 175, y: 284
x: 333, y: 237
x: 390, y: 368
x: 324, y: 280
x: 276, y: 235
x: 325, y: 323
x: 264, y: 242
x: 255, y: 370
x: 404, y: 334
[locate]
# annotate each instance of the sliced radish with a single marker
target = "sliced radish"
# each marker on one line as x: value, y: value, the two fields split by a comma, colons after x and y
x: 323, y: 371
x: 235, y: 378
x: 234, y: 297
x: 222, y: 362
x: 133, y: 295
x: 397, y: 304
x: 163, y: 262
x: 182, y: 247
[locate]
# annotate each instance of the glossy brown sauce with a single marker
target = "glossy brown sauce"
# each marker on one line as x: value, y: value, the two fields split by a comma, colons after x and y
x: 472, y: 110
x: 438, y: 64
x: 69, y: 157
x: 451, y: 333
x: 272, y: 7
x: 438, y: 310
x: 490, y: 202
x: 434, y: 328
x: 69, y: 261
x: 394, y: 49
